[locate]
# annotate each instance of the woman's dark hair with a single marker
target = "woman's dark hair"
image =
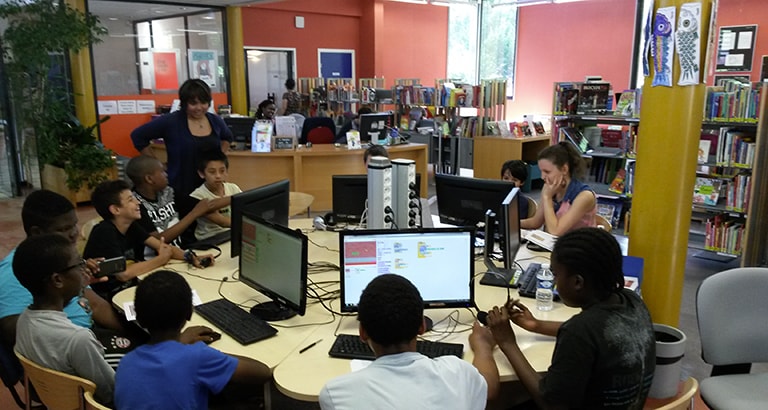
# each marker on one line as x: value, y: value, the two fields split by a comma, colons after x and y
x: 38, y: 257
x: 595, y: 255
x: 290, y: 84
x: 262, y: 106
x: 390, y: 310
x: 194, y: 89
x: 163, y: 301
x: 565, y: 153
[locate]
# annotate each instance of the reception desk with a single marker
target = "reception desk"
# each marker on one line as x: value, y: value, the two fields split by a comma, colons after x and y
x: 309, y: 169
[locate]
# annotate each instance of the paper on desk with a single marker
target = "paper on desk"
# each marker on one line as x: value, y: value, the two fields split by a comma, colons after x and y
x: 196, y: 298
x: 358, y: 364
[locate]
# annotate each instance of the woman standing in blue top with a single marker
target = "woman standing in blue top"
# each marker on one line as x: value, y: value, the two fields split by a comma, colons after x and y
x: 187, y: 133
x: 566, y: 202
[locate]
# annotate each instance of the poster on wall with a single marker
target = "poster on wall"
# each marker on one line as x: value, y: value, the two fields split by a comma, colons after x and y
x: 764, y: 69
x: 736, y: 48
x: 166, y: 72
x: 202, y: 65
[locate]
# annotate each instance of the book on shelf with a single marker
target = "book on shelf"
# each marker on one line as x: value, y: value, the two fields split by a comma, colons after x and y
x: 733, y: 101
x: 735, y: 148
x: 703, y: 154
x: 566, y: 98
x: 539, y: 128
x: 706, y: 191
x: 625, y: 107
x: 593, y: 98
x: 724, y: 233
x: 738, y: 193
x: 503, y: 128
x: 514, y: 129
x: 617, y: 185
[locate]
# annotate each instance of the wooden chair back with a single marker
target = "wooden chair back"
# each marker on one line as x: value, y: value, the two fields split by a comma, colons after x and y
x: 683, y: 400
x: 92, y: 404
x: 532, y: 206
x: 602, y: 223
x: 56, y: 390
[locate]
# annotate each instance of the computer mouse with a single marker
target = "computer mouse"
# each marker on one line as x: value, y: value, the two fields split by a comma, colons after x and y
x: 206, y: 261
x: 214, y: 336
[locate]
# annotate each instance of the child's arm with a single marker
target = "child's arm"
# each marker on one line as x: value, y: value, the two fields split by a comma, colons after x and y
x: 481, y: 342
x: 219, y: 219
x: 250, y: 371
x: 133, y: 270
x: 202, y: 207
x: 521, y: 316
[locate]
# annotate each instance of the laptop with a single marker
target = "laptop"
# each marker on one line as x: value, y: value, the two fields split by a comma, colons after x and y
x: 582, y: 144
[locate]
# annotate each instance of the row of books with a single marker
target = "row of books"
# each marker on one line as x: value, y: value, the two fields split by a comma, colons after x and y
x: 734, y: 101
x: 413, y: 95
x: 582, y: 98
x: 724, y: 234
x: 735, y: 148
x: 516, y: 129
x: 738, y: 192
x: 604, y: 170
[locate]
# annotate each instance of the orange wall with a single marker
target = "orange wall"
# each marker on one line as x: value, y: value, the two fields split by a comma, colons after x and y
x: 412, y: 39
x: 744, y: 13
x: 565, y: 42
x: 116, y: 132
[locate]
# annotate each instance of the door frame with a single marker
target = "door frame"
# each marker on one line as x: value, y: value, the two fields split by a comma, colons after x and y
x: 291, y: 49
x: 336, y: 50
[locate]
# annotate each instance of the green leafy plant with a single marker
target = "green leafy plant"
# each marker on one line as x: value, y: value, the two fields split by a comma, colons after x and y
x: 35, y: 45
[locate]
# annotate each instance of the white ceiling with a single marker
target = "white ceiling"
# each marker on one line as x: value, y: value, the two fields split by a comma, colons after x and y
x: 135, y: 10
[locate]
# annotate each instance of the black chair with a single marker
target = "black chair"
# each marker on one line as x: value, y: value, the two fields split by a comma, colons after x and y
x: 11, y: 373
x: 318, y: 130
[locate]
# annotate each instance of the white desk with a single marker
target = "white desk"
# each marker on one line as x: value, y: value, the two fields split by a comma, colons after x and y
x: 302, y: 375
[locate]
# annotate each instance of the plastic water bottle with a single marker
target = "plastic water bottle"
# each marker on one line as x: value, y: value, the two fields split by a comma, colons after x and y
x: 545, y: 281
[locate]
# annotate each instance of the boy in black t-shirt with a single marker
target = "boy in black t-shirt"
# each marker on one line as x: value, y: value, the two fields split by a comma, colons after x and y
x: 161, y: 215
x: 119, y: 234
x: 604, y: 356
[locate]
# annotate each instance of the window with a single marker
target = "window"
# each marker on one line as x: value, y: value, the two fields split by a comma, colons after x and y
x: 489, y: 54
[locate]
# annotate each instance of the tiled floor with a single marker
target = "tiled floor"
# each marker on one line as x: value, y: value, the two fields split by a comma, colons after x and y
x: 696, y: 270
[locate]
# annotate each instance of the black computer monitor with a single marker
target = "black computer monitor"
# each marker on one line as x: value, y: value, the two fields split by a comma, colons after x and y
x: 241, y: 128
x: 509, y: 226
x: 375, y: 127
x: 268, y: 202
x: 463, y: 201
x: 273, y: 261
x: 349, y: 194
x: 438, y: 261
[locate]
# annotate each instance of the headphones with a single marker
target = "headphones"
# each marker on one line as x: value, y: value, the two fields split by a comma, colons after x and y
x: 325, y: 223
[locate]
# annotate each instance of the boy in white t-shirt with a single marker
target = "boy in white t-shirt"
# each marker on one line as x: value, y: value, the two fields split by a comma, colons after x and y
x: 213, y: 169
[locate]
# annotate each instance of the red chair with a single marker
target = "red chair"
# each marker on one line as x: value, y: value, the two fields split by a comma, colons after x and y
x: 318, y: 130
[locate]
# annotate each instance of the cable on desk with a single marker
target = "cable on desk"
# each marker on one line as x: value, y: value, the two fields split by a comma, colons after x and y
x: 326, y: 307
x: 321, y: 246
x: 192, y: 274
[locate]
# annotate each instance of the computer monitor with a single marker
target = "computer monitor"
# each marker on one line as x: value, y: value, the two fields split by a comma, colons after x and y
x: 274, y: 262
x: 268, y: 202
x: 349, y: 194
x: 375, y: 127
x: 241, y: 128
x: 509, y: 225
x: 463, y: 201
x: 438, y: 261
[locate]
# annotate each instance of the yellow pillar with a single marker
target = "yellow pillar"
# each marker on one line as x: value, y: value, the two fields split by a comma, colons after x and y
x: 670, y: 127
x: 236, y: 60
x: 82, y: 80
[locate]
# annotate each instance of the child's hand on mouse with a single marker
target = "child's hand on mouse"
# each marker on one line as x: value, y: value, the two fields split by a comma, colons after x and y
x: 195, y: 334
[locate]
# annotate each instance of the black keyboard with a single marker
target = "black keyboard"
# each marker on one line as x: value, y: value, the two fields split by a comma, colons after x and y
x: 526, y: 285
x: 234, y: 321
x: 351, y: 347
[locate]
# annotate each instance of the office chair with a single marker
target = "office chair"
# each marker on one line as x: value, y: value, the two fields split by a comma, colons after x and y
x: 318, y: 130
x: 11, y: 373
x: 57, y: 390
x: 731, y: 312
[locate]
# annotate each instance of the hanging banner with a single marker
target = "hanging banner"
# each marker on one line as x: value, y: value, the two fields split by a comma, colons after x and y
x: 663, y: 46
x: 688, y: 40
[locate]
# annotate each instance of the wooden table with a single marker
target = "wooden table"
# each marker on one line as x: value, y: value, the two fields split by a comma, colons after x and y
x: 491, y: 152
x: 309, y: 169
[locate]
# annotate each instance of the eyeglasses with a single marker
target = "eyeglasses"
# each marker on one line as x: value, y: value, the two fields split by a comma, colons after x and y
x: 80, y: 265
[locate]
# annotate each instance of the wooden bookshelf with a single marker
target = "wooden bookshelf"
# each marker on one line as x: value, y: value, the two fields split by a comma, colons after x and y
x: 491, y: 152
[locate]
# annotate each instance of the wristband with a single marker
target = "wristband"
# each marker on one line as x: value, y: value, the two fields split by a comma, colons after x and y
x: 189, y: 256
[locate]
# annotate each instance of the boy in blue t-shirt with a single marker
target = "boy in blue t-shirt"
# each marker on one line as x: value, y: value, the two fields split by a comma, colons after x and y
x: 174, y: 370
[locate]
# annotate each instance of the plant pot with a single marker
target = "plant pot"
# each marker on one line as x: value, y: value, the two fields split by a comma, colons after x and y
x: 54, y: 179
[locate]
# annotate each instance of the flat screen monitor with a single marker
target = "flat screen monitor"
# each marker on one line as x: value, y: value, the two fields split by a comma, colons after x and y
x: 463, y: 201
x: 438, y: 261
x: 349, y: 193
x: 268, y: 202
x: 241, y: 128
x: 375, y: 127
x: 273, y: 261
x: 510, y: 227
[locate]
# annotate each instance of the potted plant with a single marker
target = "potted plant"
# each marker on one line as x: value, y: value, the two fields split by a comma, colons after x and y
x: 35, y: 45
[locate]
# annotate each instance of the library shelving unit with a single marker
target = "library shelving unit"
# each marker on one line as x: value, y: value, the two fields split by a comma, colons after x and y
x: 342, y: 95
x: 724, y: 174
x: 367, y: 93
x: 613, y: 192
x: 313, y: 95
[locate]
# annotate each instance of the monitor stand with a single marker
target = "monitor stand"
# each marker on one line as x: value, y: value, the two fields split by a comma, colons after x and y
x: 272, y: 312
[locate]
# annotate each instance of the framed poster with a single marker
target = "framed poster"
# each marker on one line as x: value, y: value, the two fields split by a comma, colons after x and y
x: 741, y: 78
x: 203, y: 65
x: 735, y: 48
